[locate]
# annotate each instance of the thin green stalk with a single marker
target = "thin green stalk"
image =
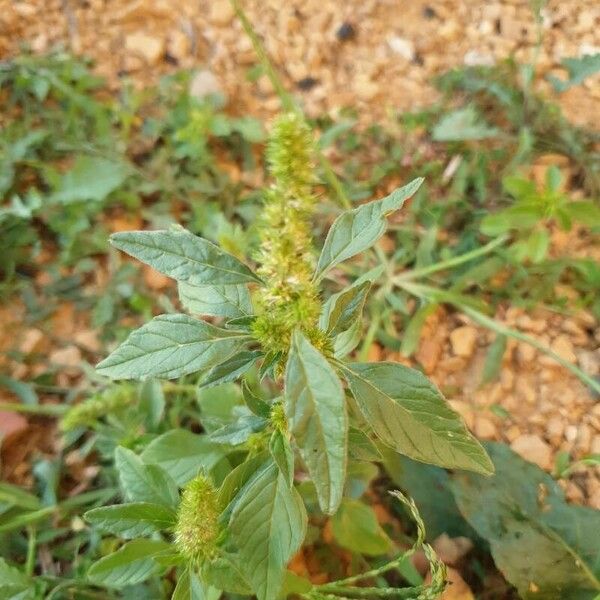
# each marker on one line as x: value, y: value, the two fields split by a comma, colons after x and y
x: 370, y: 337
x: 451, y: 262
x: 478, y: 317
x: 31, y: 550
x: 50, y: 410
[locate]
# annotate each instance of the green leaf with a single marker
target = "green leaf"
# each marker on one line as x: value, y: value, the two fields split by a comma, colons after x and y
x: 578, y: 69
x: 361, y: 447
x: 239, y: 431
x: 343, y: 309
x: 231, y: 301
x: 355, y: 527
x: 12, y: 582
x: 254, y: 403
x: 152, y: 401
x: 237, y: 479
x: 461, y: 125
x: 315, y: 407
x: 142, y: 482
x: 224, y: 574
x: 15, y: 496
x: 90, y: 178
x: 184, y: 256
x: 408, y: 413
x: 231, y: 369
x: 170, y: 346
x: 538, y: 541
x: 356, y: 230
x: 268, y: 525
x: 189, y: 587
x: 132, y: 520
x: 282, y: 454
x: 493, y: 359
x: 586, y: 213
x: 132, y: 563
x: 183, y: 454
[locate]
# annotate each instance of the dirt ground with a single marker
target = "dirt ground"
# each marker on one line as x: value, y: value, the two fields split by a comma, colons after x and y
x: 378, y: 56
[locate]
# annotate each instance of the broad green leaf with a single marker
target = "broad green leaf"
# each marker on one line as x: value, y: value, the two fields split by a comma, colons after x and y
x: 132, y: 563
x: 343, y: 309
x: 268, y: 525
x: 90, y: 178
x: 461, y: 125
x: 543, y: 546
x: 142, y: 482
x: 237, y: 479
x: 283, y: 455
x: 132, y: 520
x: 356, y: 230
x: 15, y: 496
x: 170, y: 346
x: 231, y: 301
x: 315, y: 407
x: 408, y: 413
x: 231, y: 369
x: 360, y: 446
x: 152, y: 401
x: 254, y: 403
x: 184, y: 256
x: 190, y: 587
x: 578, y: 69
x: 223, y: 573
x: 586, y: 213
x: 355, y: 527
x: 183, y: 454
x: 12, y: 582
x: 239, y: 431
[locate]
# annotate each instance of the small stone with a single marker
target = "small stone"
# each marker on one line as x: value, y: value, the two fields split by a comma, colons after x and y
x: 555, y: 428
x: 534, y: 449
x: 485, y: 429
x: 463, y: 340
x: 452, y: 550
x: 564, y: 348
x: 221, y: 12
x: 178, y: 45
x: 145, y: 46
x: 476, y: 58
x: 365, y: 88
x: 525, y: 353
x: 402, y: 47
x: 465, y: 410
x: 345, y: 32
x: 307, y: 83
x: 457, y: 588
x: 571, y: 433
x: 204, y: 83
x: 70, y: 356
x: 88, y: 338
x: 429, y: 13
x: 155, y: 280
x: 595, y: 446
x: 589, y: 361
x: 30, y: 340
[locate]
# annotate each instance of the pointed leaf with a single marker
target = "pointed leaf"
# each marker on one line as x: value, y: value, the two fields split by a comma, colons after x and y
x: 409, y: 414
x: 343, y: 309
x: 170, y: 346
x: 231, y: 301
x: 142, y: 482
x: 132, y: 563
x: 356, y: 230
x: 355, y: 527
x: 231, y: 369
x: 268, y: 525
x: 183, y: 454
x: 315, y: 407
x: 133, y: 520
x: 184, y: 256
x: 189, y: 587
x: 283, y: 455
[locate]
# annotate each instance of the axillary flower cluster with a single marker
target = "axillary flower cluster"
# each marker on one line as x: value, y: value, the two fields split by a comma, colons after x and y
x: 290, y: 297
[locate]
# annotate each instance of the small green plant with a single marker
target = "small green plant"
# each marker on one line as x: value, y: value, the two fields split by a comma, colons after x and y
x: 237, y: 530
x: 533, y: 210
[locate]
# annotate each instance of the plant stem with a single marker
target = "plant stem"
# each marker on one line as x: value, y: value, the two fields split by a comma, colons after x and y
x: 451, y: 262
x: 31, y: 548
x: 50, y: 410
x: 370, y: 336
x: 478, y: 317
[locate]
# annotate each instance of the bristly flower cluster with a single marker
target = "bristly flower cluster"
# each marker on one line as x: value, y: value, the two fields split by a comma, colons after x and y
x: 290, y: 298
x: 197, y: 530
